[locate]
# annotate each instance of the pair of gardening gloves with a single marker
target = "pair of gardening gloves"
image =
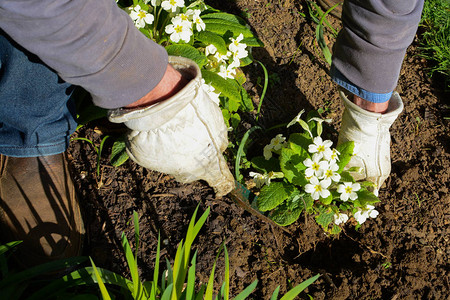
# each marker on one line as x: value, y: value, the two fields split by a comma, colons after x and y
x: 185, y: 135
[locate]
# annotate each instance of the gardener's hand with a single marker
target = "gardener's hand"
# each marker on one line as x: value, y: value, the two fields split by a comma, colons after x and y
x: 183, y: 136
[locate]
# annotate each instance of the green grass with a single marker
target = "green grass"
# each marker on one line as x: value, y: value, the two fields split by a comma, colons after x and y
x: 435, y: 41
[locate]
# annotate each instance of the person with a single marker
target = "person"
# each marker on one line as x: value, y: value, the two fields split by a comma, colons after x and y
x: 366, y: 63
x: 47, y: 47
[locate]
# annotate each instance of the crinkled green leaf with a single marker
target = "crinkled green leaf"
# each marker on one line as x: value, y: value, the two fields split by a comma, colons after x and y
x: 366, y: 197
x: 187, y: 51
x: 335, y: 229
x: 291, y: 163
x: 302, y: 140
x: 284, y: 216
x: 273, y: 195
x: 226, y: 87
x: 346, y: 152
x: 208, y: 38
x: 325, y: 217
x: 226, y: 17
x: 222, y: 26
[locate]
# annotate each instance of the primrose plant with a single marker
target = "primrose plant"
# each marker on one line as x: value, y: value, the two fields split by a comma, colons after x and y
x: 220, y: 43
x: 305, y: 173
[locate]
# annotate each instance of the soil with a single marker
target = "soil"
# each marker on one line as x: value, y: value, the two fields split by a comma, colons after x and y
x: 402, y: 254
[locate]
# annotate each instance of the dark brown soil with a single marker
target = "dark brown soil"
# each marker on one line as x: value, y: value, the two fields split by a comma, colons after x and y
x: 402, y: 254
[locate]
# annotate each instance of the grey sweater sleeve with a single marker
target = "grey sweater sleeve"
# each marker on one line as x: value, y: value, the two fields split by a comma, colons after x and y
x: 90, y: 43
x: 370, y: 48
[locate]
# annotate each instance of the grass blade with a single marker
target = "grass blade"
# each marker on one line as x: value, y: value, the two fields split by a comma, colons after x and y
x: 132, y: 265
x: 299, y: 288
x: 275, y: 293
x: 263, y: 94
x: 247, y: 291
x: 101, y: 284
x: 227, y: 274
x: 156, y: 270
x: 191, y: 278
x: 240, y: 151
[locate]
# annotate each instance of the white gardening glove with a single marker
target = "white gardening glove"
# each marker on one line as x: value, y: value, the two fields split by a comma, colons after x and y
x: 370, y: 132
x: 183, y: 136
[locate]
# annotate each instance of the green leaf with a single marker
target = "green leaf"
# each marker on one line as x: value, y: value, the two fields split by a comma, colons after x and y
x: 301, y: 140
x: 335, y: 229
x: 275, y: 293
x: 247, y: 103
x: 291, y: 294
x: 327, y: 200
x: 284, y: 216
x: 226, y: 87
x: 291, y: 163
x: 187, y: 51
x: 226, y: 17
x: 252, y: 42
x: 325, y: 217
x: 346, y: 153
x: 273, y: 195
x: 247, y: 291
x: 223, y: 27
x: 101, y: 284
x: 366, y: 197
x: 346, y: 177
x: 119, y: 154
x: 8, y: 246
x: 235, y: 119
x: 209, y: 38
x: 265, y: 166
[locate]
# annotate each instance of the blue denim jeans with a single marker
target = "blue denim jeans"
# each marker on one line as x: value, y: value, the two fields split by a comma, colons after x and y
x: 37, y: 115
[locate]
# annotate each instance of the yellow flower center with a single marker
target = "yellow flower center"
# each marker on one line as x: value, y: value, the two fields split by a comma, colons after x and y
x: 315, y: 166
x: 179, y: 28
x: 141, y: 14
x: 321, y: 148
x: 318, y: 188
x: 348, y: 189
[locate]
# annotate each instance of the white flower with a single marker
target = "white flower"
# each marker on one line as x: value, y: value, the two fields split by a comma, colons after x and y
x: 340, y: 218
x: 260, y: 179
x: 179, y: 30
x: 296, y: 119
x: 238, y: 48
x: 278, y: 142
x: 332, y: 156
x: 222, y: 58
x: 348, y: 190
x: 267, y: 152
x: 330, y: 172
x: 181, y: 18
x: 172, y: 5
x: 210, y: 50
x: 199, y: 24
x: 315, y: 166
x: 227, y: 72
x: 317, y: 188
x: 363, y: 214
x: 141, y: 17
x: 320, y: 146
x: 210, y: 91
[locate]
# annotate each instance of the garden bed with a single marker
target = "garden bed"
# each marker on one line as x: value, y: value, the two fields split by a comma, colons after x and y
x: 402, y: 254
